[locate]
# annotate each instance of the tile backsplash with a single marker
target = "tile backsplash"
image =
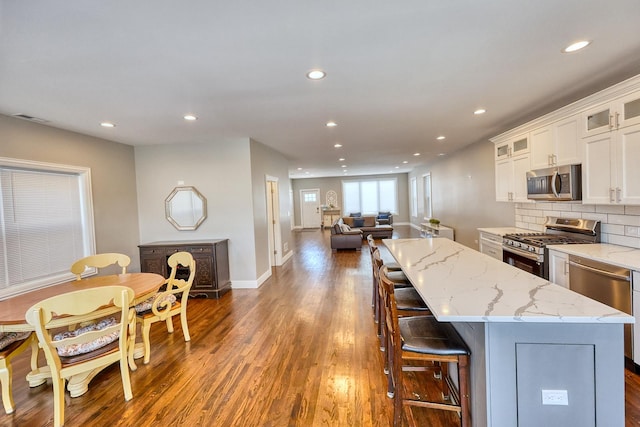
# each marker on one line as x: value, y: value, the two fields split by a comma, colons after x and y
x: 619, y: 225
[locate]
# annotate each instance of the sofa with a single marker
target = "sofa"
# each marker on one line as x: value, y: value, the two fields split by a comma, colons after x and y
x: 368, y: 224
x: 343, y: 237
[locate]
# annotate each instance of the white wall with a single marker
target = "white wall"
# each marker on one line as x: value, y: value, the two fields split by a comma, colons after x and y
x: 221, y: 171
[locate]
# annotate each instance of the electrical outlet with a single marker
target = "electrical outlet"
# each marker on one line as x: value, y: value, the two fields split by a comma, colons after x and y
x: 555, y: 397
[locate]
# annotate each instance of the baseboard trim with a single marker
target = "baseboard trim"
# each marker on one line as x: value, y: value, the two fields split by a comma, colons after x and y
x: 251, y: 284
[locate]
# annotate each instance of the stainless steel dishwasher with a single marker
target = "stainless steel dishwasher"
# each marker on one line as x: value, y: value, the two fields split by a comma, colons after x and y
x: 609, y: 284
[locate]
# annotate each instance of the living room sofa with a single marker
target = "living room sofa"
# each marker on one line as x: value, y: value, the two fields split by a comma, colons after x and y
x: 342, y: 237
x: 368, y: 224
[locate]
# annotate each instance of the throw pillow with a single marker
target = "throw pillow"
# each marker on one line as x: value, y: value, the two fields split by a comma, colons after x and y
x: 146, y: 304
x: 383, y: 216
x: 348, y: 220
x: 358, y: 222
x: 345, y: 227
x: 355, y: 214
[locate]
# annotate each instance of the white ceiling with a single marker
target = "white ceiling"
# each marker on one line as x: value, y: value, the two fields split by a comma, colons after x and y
x: 399, y: 73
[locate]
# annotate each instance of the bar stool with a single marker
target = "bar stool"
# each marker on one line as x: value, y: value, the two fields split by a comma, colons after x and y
x: 392, y: 266
x: 428, y: 345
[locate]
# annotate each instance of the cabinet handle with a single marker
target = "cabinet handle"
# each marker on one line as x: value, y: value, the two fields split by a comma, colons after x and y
x: 566, y: 268
x: 617, y: 120
x: 611, y: 196
x: 610, y: 121
x: 509, y: 150
x: 493, y: 252
x: 555, y: 159
x: 618, y: 191
x: 549, y: 160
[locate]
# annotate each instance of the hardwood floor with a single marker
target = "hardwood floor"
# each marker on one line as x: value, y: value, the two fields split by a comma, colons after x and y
x: 299, y: 351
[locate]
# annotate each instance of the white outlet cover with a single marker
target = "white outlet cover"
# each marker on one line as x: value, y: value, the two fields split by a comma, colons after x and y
x: 555, y: 397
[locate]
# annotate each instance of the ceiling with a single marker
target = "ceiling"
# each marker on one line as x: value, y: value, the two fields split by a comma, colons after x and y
x: 399, y: 74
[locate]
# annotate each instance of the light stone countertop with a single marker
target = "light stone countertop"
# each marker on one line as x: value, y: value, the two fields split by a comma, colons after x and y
x: 460, y: 284
x: 621, y: 256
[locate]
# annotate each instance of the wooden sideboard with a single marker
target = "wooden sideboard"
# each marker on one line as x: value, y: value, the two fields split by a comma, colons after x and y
x: 212, y: 263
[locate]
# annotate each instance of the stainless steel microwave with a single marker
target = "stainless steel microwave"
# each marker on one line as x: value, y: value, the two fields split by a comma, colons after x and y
x: 561, y: 183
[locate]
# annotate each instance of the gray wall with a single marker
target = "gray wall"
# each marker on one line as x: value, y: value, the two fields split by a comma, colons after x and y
x: 335, y: 184
x: 463, y: 193
x: 221, y: 171
x: 113, y: 176
x: 268, y: 162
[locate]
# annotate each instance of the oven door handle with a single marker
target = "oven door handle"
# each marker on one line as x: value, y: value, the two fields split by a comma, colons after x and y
x: 524, y: 254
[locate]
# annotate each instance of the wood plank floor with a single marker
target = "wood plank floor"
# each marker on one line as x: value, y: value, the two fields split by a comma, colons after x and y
x: 299, y: 351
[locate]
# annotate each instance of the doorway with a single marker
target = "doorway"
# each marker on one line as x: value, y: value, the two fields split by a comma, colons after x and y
x: 310, y: 208
x: 273, y: 221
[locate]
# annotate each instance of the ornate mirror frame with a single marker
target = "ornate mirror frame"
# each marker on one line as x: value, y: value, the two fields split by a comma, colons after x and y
x: 185, y: 208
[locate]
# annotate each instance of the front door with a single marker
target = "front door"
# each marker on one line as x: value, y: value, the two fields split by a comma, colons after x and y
x: 310, y: 207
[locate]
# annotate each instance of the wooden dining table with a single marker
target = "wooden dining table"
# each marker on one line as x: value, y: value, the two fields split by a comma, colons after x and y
x: 13, y: 309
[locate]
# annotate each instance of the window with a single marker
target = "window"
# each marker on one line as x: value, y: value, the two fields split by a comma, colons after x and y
x: 46, y: 223
x: 414, y: 197
x: 428, y: 210
x: 370, y: 196
x: 309, y: 197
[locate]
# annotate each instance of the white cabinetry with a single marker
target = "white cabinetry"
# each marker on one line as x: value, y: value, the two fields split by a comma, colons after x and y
x: 512, y: 164
x: 610, y: 172
x: 559, y: 268
x: 555, y: 144
x: 491, y: 244
x: 635, y: 282
x: 611, y: 116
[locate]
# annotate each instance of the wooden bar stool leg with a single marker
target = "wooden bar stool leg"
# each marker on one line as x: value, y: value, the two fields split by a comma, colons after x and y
x: 463, y: 379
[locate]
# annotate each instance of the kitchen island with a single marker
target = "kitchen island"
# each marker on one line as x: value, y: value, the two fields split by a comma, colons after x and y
x: 526, y: 335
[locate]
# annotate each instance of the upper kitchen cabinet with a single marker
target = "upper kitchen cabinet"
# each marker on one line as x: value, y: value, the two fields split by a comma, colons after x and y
x: 511, y: 169
x: 611, y: 116
x: 512, y: 147
x: 556, y: 144
x: 610, y: 172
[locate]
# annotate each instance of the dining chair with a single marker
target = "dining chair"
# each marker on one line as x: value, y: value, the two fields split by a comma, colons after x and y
x: 169, y: 302
x: 11, y: 345
x: 101, y: 341
x: 100, y: 261
x: 422, y: 343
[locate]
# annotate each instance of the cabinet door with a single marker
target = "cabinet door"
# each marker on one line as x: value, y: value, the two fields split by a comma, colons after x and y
x: 559, y: 268
x: 504, y: 178
x: 567, y: 143
x: 596, y: 170
x: 627, y: 171
x: 629, y: 110
x: 597, y: 120
x: 542, y: 147
x: 521, y: 165
x: 203, y: 256
x: 153, y: 260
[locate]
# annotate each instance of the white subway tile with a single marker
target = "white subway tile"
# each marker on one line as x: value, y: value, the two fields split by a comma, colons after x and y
x: 632, y: 242
x: 583, y: 208
x: 561, y: 207
x: 610, y: 209
x: 595, y: 216
x: 624, y: 219
x: 612, y: 229
x: 632, y: 231
x: 632, y: 210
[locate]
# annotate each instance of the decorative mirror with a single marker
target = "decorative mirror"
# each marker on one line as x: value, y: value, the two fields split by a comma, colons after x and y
x: 332, y: 199
x: 185, y: 208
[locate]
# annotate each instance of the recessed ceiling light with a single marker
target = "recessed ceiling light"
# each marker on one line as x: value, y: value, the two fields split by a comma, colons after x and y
x: 307, y: 172
x: 441, y: 137
x: 341, y: 159
x: 442, y: 154
x: 479, y: 111
x: 416, y: 154
x: 576, y: 46
x: 316, y: 75
x: 405, y: 161
x: 343, y: 166
x: 190, y: 117
x: 337, y: 145
x: 107, y: 125
x: 331, y: 124
x: 397, y: 167
x: 299, y: 169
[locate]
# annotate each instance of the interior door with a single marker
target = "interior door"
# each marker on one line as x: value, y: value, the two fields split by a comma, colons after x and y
x: 310, y: 208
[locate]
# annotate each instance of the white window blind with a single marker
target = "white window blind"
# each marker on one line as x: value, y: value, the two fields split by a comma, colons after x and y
x: 46, y: 223
x: 414, y: 197
x: 370, y: 196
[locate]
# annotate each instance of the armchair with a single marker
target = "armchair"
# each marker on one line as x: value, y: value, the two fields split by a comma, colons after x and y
x: 384, y: 218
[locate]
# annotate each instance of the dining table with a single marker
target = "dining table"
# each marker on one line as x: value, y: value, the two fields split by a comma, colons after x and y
x: 13, y: 309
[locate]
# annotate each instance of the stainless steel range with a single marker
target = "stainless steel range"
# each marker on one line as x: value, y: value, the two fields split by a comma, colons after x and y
x: 528, y: 251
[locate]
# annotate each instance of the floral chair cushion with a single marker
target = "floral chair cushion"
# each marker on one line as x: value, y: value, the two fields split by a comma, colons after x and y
x: 146, y: 304
x: 7, y: 338
x: 76, y: 349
